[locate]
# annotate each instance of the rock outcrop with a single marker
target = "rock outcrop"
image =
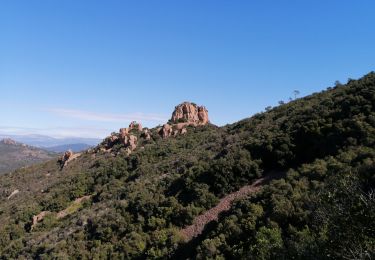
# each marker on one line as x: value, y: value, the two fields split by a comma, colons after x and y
x: 68, y: 157
x: 135, y: 125
x: 184, y: 115
x: 132, y: 142
x: 183, y: 131
x: 8, y: 141
x: 146, y: 135
x: 38, y: 218
x: 125, y: 138
x: 166, y: 131
x: 190, y: 113
x: 15, y: 192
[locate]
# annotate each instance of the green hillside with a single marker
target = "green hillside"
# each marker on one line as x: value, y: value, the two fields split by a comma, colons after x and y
x: 319, y: 154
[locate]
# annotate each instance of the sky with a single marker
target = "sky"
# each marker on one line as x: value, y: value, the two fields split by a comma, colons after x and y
x: 86, y: 68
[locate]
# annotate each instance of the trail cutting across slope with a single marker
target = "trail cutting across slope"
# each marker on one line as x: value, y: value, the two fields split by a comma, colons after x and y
x: 225, y: 203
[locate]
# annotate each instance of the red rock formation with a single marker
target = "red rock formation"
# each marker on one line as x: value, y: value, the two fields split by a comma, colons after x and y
x: 140, y: 128
x: 132, y: 143
x: 203, y: 115
x: 113, y: 139
x: 135, y: 125
x: 190, y: 113
x: 67, y: 155
x: 166, y: 131
x: 146, y: 135
x: 183, y: 131
x: 124, y: 132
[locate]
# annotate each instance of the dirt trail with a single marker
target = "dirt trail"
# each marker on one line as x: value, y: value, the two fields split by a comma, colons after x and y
x: 224, y: 204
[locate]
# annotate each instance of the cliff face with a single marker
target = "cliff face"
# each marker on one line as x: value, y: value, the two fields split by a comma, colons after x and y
x: 190, y: 113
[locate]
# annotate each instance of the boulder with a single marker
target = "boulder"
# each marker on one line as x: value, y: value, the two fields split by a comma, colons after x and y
x: 146, y: 135
x: 183, y: 131
x: 166, y: 131
x: 68, y: 157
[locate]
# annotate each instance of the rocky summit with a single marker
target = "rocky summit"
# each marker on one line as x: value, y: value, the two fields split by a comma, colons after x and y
x: 185, y: 115
x: 188, y: 112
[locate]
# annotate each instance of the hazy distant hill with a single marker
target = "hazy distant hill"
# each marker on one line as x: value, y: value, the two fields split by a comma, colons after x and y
x: 66, y: 147
x: 15, y: 155
x: 47, y: 141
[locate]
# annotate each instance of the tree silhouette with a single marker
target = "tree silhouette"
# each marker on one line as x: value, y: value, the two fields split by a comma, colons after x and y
x: 296, y: 93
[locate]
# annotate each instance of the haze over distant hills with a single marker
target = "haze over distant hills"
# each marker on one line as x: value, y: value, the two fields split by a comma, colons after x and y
x: 54, y: 144
x: 66, y: 147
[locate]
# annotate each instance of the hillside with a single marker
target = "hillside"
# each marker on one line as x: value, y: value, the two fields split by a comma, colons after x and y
x: 296, y: 182
x: 15, y: 155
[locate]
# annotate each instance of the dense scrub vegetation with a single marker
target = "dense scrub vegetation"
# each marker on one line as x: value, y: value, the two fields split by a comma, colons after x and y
x: 322, y: 206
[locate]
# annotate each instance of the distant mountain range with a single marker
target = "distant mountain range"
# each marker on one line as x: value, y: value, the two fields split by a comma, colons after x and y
x: 66, y: 147
x: 54, y: 144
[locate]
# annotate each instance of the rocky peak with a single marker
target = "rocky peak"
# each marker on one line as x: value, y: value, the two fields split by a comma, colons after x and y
x: 191, y: 113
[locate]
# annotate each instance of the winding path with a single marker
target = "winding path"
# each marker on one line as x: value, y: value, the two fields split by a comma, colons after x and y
x: 224, y: 204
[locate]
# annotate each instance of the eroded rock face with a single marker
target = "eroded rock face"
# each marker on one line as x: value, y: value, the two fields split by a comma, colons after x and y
x: 166, y: 131
x: 190, y: 113
x: 203, y: 115
x: 132, y: 143
x: 146, y: 135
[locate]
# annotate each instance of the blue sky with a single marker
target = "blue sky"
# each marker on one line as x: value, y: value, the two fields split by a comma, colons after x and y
x: 87, y: 68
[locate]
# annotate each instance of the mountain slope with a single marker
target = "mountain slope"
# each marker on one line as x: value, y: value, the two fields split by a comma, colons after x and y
x: 15, y: 155
x: 320, y: 206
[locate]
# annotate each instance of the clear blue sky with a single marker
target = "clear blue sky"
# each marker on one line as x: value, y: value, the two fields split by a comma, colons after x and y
x: 87, y: 67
